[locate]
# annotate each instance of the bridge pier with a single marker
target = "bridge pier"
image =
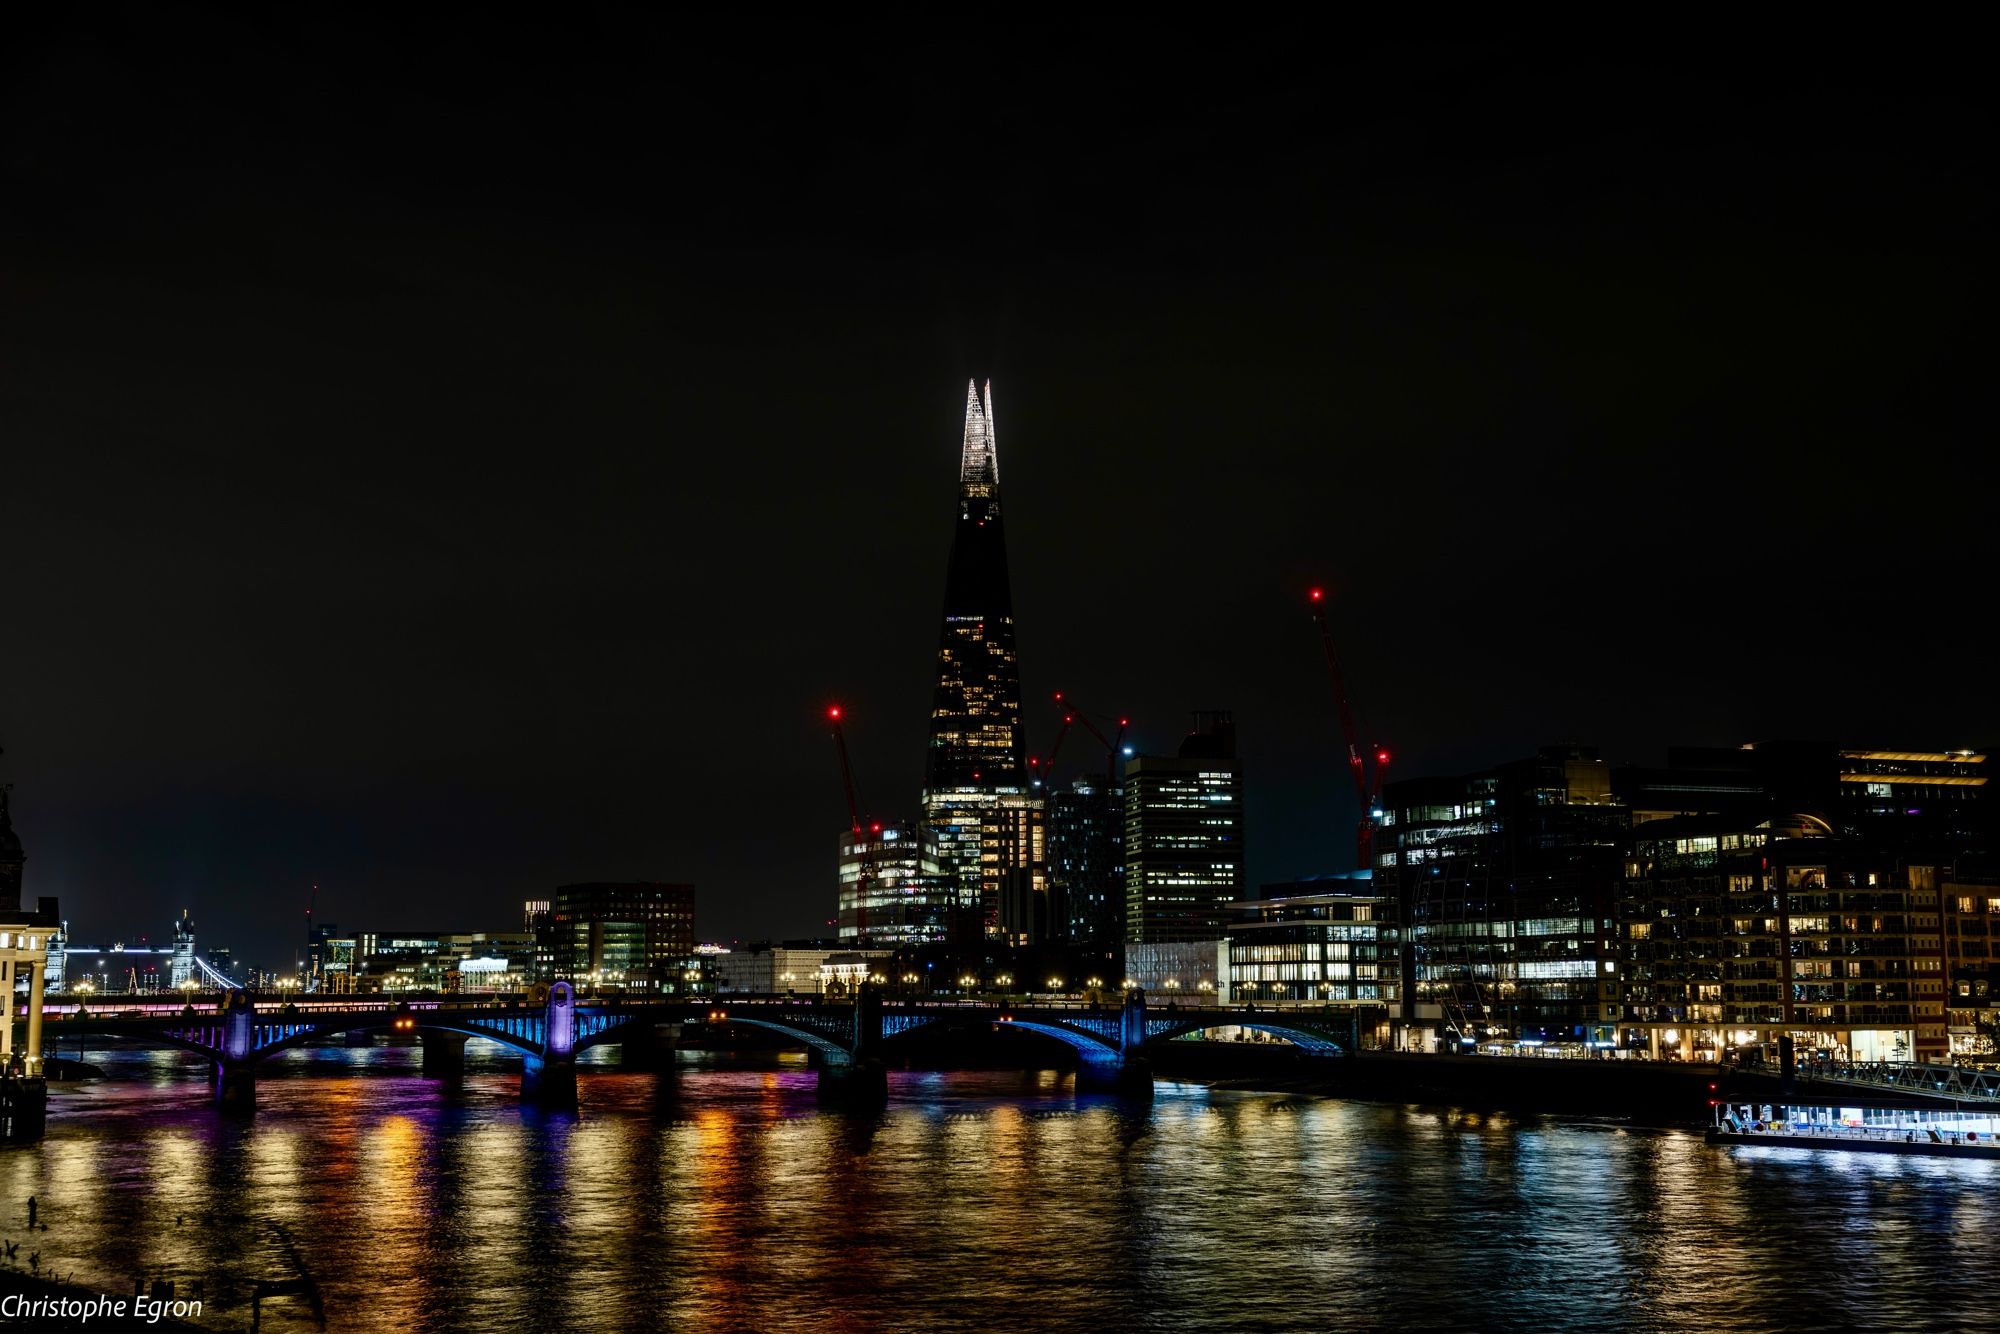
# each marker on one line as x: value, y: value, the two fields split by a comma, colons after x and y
x: 444, y: 1054
x: 1129, y: 1077
x: 856, y: 1086
x: 236, y: 1087
x: 549, y: 1083
x: 235, y: 1066
x: 549, y: 1079
x: 642, y: 1046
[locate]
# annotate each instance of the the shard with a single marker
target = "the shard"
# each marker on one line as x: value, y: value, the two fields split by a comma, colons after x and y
x: 980, y: 816
x: 975, y: 734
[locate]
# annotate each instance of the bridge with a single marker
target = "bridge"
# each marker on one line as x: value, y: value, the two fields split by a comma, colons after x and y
x: 847, y: 1040
x: 1952, y: 1082
x: 239, y: 1032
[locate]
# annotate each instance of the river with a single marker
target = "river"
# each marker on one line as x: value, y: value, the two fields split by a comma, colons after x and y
x: 720, y: 1196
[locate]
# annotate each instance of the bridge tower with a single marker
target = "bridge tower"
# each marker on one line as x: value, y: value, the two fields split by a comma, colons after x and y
x: 549, y: 1079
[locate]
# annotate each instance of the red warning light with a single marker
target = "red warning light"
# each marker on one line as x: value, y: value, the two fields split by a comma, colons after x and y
x: 1381, y: 757
x: 834, y: 713
x: 876, y: 828
x: 1316, y: 595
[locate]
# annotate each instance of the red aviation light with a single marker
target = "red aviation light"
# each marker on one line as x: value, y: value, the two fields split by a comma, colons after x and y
x: 1316, y: 594
x: 833, y: 714
x: 876, y: 828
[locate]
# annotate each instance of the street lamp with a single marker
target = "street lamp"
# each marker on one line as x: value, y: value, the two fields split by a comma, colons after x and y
x: 1094, y: 982
x: 968, y: 982
x: 1055, y: 984
x: 1005, y: 980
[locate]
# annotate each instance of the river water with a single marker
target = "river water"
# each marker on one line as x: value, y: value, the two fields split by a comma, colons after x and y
x: 720, y: 1196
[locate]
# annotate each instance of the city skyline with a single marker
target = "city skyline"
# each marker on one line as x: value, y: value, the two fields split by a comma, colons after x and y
x: 482, y: 554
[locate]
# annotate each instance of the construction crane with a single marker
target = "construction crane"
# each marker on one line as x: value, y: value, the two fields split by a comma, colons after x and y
x: 1368, y: 777
x: 864, y: 838
x: 1073, y: 716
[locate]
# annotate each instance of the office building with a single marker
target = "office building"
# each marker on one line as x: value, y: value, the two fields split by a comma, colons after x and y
x: 1184, y: 837
x: 1086, y: 862
x: 891, y: 891
x: 1730, y: 935
x: 1504, y: 880
x: 640, y: 930
x: 1327, y: 940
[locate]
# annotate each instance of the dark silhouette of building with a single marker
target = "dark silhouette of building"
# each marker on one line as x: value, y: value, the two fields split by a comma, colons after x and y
x: 1184, y: 837
x: 12, y: 859
x: 640, y: 931
x: 1924, y: 803
x: 1086, y: 862
x: 13, y: 863
x: 979, y: 814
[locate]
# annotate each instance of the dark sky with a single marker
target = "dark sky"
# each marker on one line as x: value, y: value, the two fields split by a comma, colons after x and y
x: 443, y: 458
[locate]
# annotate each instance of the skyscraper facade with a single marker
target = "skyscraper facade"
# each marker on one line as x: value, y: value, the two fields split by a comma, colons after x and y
x: 1184, y: 837
x: 890, y: 889
x: 979, y: 813
x: 1086, y: 862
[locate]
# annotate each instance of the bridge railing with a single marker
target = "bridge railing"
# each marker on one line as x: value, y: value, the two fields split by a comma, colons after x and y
x: 1951, y: 1081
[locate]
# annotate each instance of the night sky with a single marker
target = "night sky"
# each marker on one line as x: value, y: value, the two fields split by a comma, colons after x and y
x: 441, y: 458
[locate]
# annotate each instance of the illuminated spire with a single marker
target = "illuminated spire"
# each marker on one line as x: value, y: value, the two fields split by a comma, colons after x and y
x: 979, y: 465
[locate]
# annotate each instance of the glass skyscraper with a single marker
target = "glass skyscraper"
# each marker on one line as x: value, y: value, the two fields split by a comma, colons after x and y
x: 978, y: 810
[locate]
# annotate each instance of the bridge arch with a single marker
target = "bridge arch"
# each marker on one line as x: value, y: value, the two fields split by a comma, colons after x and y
x: 1309, y: 1040
x: 521, y: 1044
x: 828, y: 1050
x: 1090, y: 1049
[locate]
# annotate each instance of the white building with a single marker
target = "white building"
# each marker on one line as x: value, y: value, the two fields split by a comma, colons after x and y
x: 779, y: 970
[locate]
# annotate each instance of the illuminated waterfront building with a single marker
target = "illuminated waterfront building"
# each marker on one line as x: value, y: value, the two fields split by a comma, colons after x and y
x: 1553, y: 900
x: 1504, y: 880
x: 1971, y: 904
x: 1731, y: 936
x: 1184, y: 837
x: 979, y: 813
x: 1330, y: 940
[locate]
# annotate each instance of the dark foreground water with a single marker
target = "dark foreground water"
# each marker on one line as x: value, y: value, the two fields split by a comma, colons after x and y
x: 721, y: 1197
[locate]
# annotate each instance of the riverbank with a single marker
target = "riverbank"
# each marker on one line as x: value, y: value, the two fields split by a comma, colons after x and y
x: 1647, y: 1092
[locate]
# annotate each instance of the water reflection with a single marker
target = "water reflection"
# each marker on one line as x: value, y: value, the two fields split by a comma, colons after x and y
x: 719, y: 1195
